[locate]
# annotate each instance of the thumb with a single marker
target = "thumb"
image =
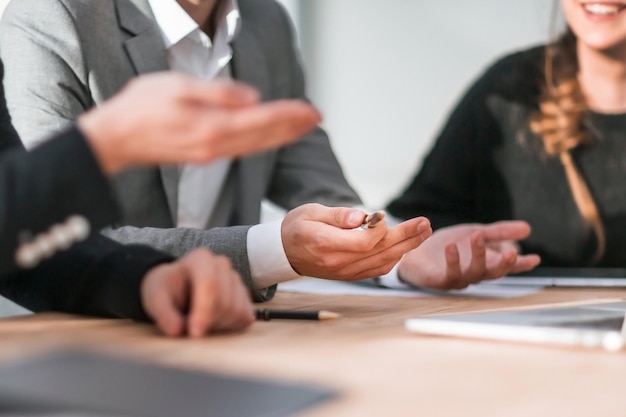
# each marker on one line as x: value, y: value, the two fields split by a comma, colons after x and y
x: 342, y: 217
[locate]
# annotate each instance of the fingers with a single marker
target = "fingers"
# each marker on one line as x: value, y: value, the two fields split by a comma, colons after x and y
x: 169, y: 319
x: 380, y: 260
x: 163, y: 303
x: 525, y: 263
x: 506, y: 230
x: 478, y: 261
x: 200, y: 293
x: 313, y: 231
x: 257, y: 128
x: 204, y: 309
x: 505, y: 266
x: 407, y: 230
x: 218, y: 298
x: 339, y: 217
x: 454, y: 273
x: 484, y: 264
x: 241, y: 312
x: 209, y: 120
x: 317, y: 243
x: 219, y: 92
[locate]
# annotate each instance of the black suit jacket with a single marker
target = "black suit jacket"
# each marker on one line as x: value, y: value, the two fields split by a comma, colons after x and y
x: 41, y: 188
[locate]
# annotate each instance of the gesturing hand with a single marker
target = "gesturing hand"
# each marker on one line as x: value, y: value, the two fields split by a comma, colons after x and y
x: 321, y: 242
x: 174, y: 118
x: 457, y: 256
x: 197, y: 294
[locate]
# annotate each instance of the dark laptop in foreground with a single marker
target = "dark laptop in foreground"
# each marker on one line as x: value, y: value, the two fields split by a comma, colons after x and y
x: 590, y: 325
x: 569, y: 277
x: 85, y: 384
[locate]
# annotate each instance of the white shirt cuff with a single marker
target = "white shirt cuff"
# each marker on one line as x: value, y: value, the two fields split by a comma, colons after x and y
x: 392, y: 280
x: 268, y: 262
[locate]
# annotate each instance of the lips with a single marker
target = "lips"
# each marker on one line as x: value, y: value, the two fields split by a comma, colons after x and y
x: 603, y: 8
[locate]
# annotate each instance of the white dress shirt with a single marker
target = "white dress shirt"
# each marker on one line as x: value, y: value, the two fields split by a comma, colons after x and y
x: 193, y: 52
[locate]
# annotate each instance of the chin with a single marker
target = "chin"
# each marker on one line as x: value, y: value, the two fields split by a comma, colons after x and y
x: 604, y: 44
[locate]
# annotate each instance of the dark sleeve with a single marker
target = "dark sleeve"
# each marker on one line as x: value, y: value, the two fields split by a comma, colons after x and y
x: 43, y: 187
x: 457, y: 182
x: 97, y: 277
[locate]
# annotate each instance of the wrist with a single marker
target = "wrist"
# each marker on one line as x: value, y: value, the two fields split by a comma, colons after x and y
x: 105, y: 139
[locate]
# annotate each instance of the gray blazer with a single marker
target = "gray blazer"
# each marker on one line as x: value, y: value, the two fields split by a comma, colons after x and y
x: 65, y: 56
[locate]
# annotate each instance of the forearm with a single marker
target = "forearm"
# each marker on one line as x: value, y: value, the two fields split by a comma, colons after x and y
x: 97, y: 277
x: 228, y: 241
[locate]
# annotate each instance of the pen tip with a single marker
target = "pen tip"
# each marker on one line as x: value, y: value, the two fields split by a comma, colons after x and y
x: 328, y: 315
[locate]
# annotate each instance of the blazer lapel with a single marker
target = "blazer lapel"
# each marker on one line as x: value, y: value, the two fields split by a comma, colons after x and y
x: 144, y: 46
x: 147, y: 53
x: 249, y: 65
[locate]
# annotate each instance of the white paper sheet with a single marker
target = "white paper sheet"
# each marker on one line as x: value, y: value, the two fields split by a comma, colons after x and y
x: 369, y: 287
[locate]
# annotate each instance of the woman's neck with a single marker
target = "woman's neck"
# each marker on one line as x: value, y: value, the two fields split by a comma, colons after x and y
x: 602, y: 76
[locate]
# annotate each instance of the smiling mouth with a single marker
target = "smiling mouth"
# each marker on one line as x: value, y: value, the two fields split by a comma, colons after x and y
x: 603, y: 9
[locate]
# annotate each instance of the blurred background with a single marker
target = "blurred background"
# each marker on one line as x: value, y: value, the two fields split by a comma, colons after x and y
x: 385, y: 74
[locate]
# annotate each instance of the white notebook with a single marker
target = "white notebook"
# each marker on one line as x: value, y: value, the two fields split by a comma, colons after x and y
x: 590, y: 325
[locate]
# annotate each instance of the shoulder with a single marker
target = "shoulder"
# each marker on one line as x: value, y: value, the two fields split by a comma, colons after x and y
x: 515, y: 73
x: 50, y: 14
x: 261, y: 9
x: 515, y: 77
x: 523, y: 60
x: 38, y: 7
x: 264, y: 15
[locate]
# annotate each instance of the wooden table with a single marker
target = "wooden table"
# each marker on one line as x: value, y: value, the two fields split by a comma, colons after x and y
x: 378, y: 368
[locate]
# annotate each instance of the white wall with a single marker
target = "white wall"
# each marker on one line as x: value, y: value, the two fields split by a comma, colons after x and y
x: 386, y: 73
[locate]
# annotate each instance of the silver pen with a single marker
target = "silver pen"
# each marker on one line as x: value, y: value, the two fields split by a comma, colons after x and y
x: 371, y: 220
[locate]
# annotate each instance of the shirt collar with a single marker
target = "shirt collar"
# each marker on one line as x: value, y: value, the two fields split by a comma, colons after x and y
x: 176, y: 24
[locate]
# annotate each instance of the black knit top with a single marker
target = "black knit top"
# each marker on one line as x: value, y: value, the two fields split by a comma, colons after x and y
x: 486, y: 166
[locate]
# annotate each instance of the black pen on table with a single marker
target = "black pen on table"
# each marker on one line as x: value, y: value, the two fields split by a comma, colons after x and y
x: 267, y: 314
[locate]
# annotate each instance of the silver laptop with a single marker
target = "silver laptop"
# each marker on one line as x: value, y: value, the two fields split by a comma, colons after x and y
x: 591, y: 325
x: 569, y: 277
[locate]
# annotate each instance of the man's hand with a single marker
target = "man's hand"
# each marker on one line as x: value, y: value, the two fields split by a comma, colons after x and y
x: 175, y: 118
x: 457, y: 256
x: 326, y: 242
x: 195, y: 295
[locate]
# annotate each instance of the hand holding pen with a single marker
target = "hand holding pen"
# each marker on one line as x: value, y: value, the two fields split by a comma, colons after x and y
x: 320, y: 241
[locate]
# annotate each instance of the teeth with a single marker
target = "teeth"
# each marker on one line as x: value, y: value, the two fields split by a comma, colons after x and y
x: 602, y: 9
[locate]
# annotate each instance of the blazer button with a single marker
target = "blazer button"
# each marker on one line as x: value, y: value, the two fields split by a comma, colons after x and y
x: 45, y: 246
x: 78, y: 228
x: 60, y: 236
x: 27, y: 256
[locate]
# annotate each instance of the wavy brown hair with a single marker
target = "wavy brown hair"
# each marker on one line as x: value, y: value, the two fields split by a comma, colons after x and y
x: 560, y: 122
